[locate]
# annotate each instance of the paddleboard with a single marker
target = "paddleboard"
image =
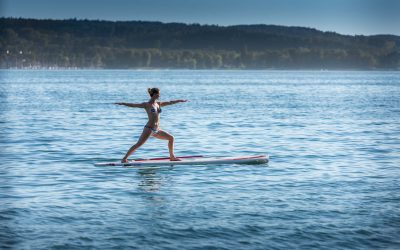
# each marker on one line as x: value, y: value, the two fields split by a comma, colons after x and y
x: 190, y: 160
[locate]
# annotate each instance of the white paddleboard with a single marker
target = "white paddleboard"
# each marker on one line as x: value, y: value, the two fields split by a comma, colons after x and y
x: 190, y: 160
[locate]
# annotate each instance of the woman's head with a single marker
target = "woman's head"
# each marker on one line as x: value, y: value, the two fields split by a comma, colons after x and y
x: 153, y: 91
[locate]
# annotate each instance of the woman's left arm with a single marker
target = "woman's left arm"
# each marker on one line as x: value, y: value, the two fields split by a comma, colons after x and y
x: 162, y: 104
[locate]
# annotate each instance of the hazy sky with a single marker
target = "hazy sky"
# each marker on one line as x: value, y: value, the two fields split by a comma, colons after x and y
x: 343, y: 16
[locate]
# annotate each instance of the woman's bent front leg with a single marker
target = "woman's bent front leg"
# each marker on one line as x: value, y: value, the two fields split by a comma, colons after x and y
x: 163, y: 135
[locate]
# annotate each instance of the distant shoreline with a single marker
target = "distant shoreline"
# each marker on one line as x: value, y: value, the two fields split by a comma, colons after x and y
x: 71, y: 43
x: 185, y: 69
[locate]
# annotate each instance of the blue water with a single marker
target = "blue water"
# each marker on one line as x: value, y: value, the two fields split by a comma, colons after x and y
x: 332, y: 181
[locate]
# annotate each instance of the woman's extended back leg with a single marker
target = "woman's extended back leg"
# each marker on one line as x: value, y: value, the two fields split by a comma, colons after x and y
x: 142, y: 139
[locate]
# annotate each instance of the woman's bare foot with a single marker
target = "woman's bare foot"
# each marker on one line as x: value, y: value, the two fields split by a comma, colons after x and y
x: 124, y: 160
x: 173, y: 158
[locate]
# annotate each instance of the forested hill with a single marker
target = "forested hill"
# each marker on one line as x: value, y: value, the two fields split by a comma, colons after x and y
x: 136, y: 44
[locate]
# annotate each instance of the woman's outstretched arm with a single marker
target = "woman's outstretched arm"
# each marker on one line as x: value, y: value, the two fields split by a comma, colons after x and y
x: 162, y: 104
x: 132, y: 105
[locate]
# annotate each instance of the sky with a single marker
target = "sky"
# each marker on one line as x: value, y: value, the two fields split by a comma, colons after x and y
x: 350, y: 17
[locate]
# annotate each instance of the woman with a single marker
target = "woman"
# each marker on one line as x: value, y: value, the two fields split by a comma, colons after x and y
x: 152, y: 128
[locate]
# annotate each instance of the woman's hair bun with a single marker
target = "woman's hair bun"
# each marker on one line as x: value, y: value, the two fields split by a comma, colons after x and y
x: 153, y: 91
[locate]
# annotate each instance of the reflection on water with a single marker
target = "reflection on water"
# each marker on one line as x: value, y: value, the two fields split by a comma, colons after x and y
x: 151, y: 179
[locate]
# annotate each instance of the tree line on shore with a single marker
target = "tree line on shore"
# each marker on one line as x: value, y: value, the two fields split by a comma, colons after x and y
x: 32, y: 43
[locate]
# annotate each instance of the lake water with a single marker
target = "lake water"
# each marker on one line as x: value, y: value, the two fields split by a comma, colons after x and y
x: 332, y: 181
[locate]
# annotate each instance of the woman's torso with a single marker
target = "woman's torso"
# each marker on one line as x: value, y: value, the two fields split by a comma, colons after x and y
x: 153, y: 112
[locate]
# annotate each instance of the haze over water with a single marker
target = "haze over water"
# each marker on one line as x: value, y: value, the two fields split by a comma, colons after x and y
x: 332, y: 181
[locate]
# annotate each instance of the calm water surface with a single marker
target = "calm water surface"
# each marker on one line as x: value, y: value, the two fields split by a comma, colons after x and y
x: 332, y: 182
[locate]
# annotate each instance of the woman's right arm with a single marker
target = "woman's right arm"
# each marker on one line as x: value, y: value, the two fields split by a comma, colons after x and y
x: 132, y: 105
